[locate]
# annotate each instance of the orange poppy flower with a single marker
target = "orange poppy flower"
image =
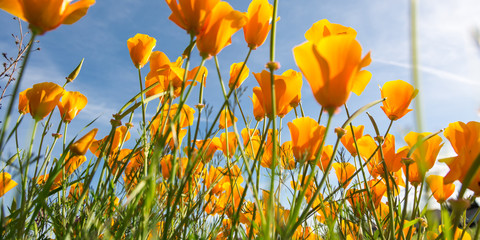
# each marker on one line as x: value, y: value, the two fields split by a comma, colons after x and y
x: 214, y: 179
x: 229, y: 143
x: 347, y: 139
x: 46, y: 15
x: 81, y: 146
x: 190, y: 14
x: 117, y: 160
x: 332, y: 67
x: 132, y: 174
x: 235, y: 72
x: 307, y: 135
x: 169, y: 74
x: 286, y: 153
x: 441, y: 191
x: 258, y: 24
x: 121, y: 134
x: 344, y: 171
x: 288, y: 88
x: 399, y: 94
x: 211, y: 146
x: 71, y: 104
x: 251, y: 142
x: 42, y: 99
x: 75, y: 190
x: 158, y: 125
x: 226, y: 119
x: 140, y: 48
x: 326, y: 157
x: 219, y: 26
x: 23, y: 102
x: 6, y: 183
x: 465, y: 140
x: 424, y: 156
x: 71, y: 164
x: 367, y: 146
x: 324, y: 28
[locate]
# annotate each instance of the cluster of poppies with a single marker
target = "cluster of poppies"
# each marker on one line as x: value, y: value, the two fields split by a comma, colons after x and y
x: 331, y: 61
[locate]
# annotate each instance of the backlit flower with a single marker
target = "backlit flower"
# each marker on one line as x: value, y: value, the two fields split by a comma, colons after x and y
x: 71, y: 104
x: 46, y: 15
x: 324, y: 28
x: 288, y: 88
x: 367, y: 147
x: 332, y: 67
x: 6, y: 183
x: 441, y: 191
x: 307, y: 136
x: 121, y: 134
x: 399, y: 94
x: 226, y: 119
x: 219, y: 26
x: 258, y: 24
x: 344, y: 172
x: 229, y: 143
x: 42, y: 99
x: 75, y: 191
x: 235, y: 73
x: 190, y: 14
x: 81, y: 146
x: 208, y: 147
x: 23, y: 102
x: 348, y: 141
x: 168, y: 74
x: 140, y: 48
x: 465, y: 140
x: 424, y: 155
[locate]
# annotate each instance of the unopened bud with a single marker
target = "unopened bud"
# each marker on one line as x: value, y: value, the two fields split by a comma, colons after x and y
x: 75, y: 72
x: 340, y: 132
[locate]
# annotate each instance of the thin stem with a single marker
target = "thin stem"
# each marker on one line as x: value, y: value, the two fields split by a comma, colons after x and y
x: 15, y: 92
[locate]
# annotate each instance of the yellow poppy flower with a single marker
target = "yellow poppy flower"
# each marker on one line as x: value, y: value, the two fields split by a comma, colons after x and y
x: 71, y: 104
x: 258, y: 24
x: 42, y: 99
x: 399, y: 94
x: 140, y: 48
x: 6, y: 183
x: 332, y: 67
x: 219, y: 26
x: 46, y: 15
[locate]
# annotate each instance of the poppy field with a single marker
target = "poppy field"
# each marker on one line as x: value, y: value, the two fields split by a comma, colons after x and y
x: 267, y: 168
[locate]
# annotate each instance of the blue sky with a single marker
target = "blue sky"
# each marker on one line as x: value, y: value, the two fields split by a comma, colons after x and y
x: 449, y: 58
